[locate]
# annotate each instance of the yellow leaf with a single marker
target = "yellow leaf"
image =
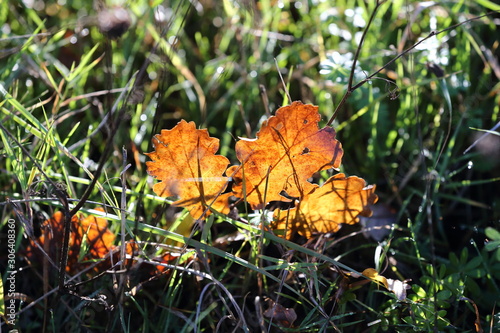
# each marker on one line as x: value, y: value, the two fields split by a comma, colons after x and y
x: 374, y: 276
x: 340, y: 200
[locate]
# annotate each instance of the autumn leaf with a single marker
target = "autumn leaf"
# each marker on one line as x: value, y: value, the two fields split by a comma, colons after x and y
x: 288, y: 150
x: 339, y: 201
x: 90, y: 240
x: 90, y: 234
x: 398, y: 287
x: 50, y: 241
x: 373, y: 275
x: 172, y: 258
x: 184, y: 160
x: 99, y: 238
x: 284, y: 317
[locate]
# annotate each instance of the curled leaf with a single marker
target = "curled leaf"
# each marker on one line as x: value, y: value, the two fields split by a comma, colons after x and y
x: 184, y: 160
x: 288, y: 150
x: 398, y: 287
x: 339, y: 201
x: 372, y: 274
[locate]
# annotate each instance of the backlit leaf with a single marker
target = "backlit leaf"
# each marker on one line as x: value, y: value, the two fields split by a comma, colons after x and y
x: 184, y: 160
x: 90, y: 233
x: 339, y: 201
x: 99, y: 238
x: 288, y: 150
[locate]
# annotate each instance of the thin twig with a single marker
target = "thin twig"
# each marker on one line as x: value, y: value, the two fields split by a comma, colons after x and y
x: 355, y: 60
x: 368, y: 78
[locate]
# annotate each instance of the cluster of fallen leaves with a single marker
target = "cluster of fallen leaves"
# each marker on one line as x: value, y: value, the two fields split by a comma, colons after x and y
x: 276, y: 166
x: 91, y: 243
x: 90, y: 240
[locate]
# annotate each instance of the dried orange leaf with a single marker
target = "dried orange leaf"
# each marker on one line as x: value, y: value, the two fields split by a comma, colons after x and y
x: 91, y: 230
x: 99, y: 238
x: 184, y: 160
x: 288, y: 150
x: 339, y: 201
x: 50, y: 241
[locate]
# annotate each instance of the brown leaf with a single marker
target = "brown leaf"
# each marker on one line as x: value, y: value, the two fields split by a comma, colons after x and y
x: 340, y: 200
x: 184, y: 160
x: 288, y: 150
x: 283, y: 316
